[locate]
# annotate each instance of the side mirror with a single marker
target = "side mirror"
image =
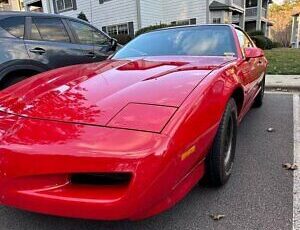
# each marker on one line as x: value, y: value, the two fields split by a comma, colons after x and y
x: 253, y: 52
x: 114, y: 44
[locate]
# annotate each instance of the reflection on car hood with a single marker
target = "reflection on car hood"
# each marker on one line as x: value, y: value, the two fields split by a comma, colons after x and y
x: 95, y: 93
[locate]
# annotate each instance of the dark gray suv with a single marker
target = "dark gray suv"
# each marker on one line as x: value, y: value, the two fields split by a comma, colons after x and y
x: 31, y: 43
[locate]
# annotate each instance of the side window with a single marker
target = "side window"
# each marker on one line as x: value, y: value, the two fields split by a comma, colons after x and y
x: 49, y: 29
x: 83, y: 32
x: 243, y: 39
x: 14, y: 26
x: 99, y: 38
x: 88, y: 35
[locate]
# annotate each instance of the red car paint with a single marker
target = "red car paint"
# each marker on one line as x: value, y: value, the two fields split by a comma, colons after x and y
x: 154, y: 118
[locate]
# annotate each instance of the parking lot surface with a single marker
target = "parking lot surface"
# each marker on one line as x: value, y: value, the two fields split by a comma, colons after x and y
x: 259, y: 195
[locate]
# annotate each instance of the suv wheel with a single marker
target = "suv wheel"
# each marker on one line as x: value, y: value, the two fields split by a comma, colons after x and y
x: 8, y: 81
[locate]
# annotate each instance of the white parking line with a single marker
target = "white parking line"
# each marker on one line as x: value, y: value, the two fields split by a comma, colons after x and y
x: 296, y: 190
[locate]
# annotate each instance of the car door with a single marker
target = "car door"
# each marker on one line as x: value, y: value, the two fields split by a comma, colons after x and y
x: 49, y: 42
x: 94, y: 43
x: 250, y: 67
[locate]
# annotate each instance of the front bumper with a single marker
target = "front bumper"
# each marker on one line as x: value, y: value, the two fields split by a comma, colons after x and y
x: 37, y: 158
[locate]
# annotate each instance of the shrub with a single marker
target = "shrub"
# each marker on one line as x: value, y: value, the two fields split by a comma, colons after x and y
x: 269, y: 43
x: 262, y: 42
x: 82, y: 16
x: 151, y: 28
x: 122, y: 39
x: 259, y: 41
x: 276, y: 45
x: 256, y: 33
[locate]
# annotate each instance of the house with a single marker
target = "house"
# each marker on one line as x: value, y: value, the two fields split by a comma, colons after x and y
x: 11, y: 5
x: 295, y: 38
x: 128, y: 16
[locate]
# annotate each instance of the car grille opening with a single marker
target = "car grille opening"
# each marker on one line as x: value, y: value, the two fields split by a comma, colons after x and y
x: 101, y: 178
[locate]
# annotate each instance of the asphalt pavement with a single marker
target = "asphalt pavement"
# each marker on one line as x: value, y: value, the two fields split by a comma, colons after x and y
x: 259, y: 195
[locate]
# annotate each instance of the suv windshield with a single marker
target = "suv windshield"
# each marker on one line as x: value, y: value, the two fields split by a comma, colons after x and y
x: 188, y: 41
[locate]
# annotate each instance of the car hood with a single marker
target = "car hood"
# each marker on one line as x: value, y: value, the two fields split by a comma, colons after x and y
x: 95, y: 93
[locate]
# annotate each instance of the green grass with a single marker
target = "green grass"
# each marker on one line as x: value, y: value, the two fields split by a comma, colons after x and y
x: 283, y: 61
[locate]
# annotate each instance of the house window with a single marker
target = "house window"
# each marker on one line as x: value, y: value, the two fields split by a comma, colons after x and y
x: 63, y: 5
x: 216, y: 20
x: 118, y: 29
x: 184, y: 22
x: 102, y: 1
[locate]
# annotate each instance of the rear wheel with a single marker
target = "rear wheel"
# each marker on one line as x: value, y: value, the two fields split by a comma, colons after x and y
x: 260, y: 96
x: 12, y: 81
x: 221, y: 157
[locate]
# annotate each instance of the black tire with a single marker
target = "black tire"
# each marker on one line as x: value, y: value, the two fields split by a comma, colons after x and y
x: 221, y: 157
x: 258, y: 101
x: 11, y: 81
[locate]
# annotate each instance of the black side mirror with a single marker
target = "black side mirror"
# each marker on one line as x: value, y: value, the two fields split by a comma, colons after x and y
x: 114, y: 44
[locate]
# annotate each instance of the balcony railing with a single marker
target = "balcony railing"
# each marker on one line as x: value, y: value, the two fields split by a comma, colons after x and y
x: 253, y: 11
x: 264, y: 12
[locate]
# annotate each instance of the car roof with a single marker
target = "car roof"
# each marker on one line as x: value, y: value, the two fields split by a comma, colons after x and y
x: 193, y: 26
x: 34, y: 14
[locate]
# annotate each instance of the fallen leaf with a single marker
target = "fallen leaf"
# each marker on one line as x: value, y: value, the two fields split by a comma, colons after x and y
x: 217, y: 216
x: 270, y: 130
x: 289, y: 166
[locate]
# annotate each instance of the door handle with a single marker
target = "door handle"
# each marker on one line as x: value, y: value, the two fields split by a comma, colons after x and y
x: 38, y: 50
x: 91, y: 54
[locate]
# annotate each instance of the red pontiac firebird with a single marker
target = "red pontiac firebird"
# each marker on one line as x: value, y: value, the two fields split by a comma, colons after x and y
x: 129, y: 137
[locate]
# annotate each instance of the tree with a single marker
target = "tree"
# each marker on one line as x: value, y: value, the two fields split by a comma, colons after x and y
x: 281, y: 15
x: 82, y: 16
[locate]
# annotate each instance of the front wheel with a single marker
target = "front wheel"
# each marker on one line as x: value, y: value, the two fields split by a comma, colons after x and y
x: 221, y: 157
x: 258, y: 101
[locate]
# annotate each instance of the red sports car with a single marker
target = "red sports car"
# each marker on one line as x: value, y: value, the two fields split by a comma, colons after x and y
x: 129, y: 137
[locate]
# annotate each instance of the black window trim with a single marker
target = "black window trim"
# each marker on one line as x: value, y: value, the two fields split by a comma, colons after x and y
x: 29, y: 27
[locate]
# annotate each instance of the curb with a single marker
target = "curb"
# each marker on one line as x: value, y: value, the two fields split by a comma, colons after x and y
x: 283, y: 88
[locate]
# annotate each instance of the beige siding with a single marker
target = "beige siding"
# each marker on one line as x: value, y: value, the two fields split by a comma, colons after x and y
x: 13, y: 5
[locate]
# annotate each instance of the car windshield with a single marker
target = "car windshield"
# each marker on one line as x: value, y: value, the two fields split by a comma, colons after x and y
x: 186, y: 41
